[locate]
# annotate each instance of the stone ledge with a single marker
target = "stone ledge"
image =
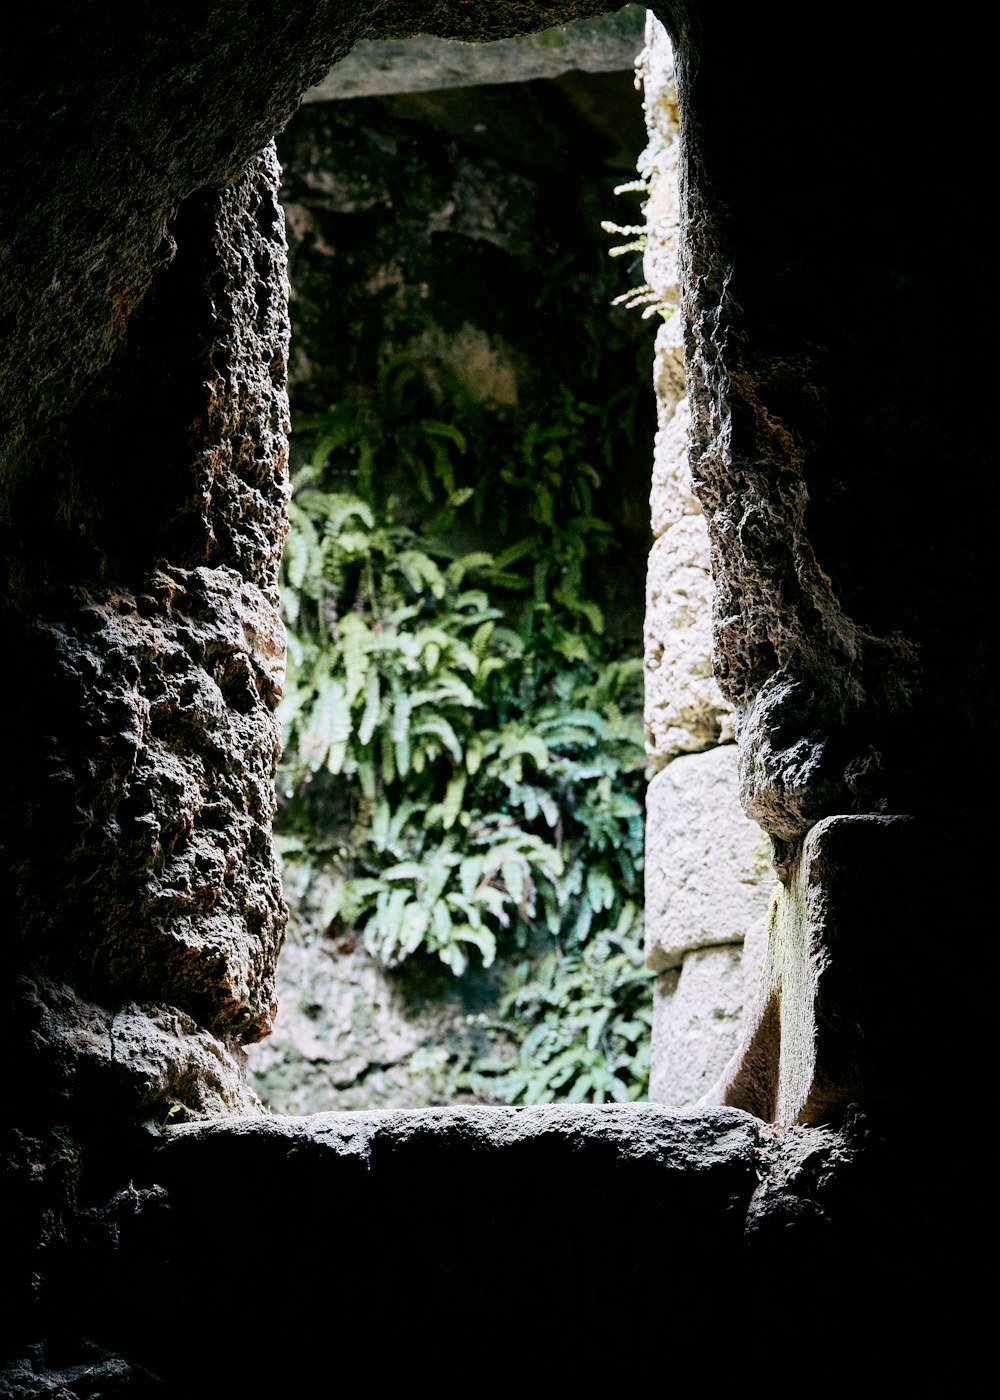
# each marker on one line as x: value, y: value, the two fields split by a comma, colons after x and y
x: 436, y: 1229
x: 272, y: 1255
x: 641, y: 1132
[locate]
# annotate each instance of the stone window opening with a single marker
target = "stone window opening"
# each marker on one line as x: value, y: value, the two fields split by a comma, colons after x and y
x: 504, y: 192
x: 141, y: 260
x: 708, y: 874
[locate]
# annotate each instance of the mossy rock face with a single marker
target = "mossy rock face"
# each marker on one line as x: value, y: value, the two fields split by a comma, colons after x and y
x: 351, y: 1034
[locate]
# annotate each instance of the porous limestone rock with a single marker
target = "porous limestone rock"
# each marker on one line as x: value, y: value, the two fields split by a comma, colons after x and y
x: 668, y: 368
x: 659, y: 161
x: 140, y: 812
x: 167, y: 777
x: 684, y: 711
x: 151, y: 1063
x: 671, y: 495
x: 708, y: 873
x: 696, y: 1019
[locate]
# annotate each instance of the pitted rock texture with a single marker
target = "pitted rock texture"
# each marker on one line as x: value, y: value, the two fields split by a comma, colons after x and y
x: 141, y: 801
x: 671, y: 496
x: 241, y: 477
x: 708, y: 872
x: 684, y: 711
x: 810, y: 303
x: 655, y: 70
x: 155, y: 804
x: 142, y: 1062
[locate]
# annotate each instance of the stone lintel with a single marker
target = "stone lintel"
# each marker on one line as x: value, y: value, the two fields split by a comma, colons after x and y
x: 376, y: 68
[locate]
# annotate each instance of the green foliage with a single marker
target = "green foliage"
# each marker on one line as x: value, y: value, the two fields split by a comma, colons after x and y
x: 644, y: 295
x: 583, y: 1019
x: 462, y: 734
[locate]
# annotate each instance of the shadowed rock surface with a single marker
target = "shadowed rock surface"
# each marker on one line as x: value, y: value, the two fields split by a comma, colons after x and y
x: 541, y: 1238
x: 835, y: 352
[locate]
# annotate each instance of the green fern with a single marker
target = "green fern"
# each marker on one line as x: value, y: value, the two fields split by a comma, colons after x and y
x: 463, y: 739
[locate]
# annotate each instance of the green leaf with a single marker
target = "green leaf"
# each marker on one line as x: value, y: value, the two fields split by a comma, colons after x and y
x: 482, y: 939
x: 439, y: 728
x: 444, y: 430
x: 452, y: 804
x: 373, y: 705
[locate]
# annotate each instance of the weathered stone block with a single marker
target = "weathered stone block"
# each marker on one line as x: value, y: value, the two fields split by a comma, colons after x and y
x: 696, y: 1024
x: 481, y: 1216
x: 833, y: 1015
x: 684, y: 711
x: 668, y: 367
x: 671, y: 494
x: 708, y: 876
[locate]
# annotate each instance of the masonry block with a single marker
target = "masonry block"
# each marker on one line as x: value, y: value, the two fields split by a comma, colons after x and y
x: 837, y: 1006
x: 708, y: 876
x: 696, y: 1023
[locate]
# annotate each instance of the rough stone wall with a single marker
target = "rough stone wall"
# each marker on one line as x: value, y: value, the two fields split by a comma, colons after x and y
x: 708, y: 876
x: 455, y: 1228
x: 155, y: 801
x: 845, y: 622
x: 142, y: 514
x: 852, y: 633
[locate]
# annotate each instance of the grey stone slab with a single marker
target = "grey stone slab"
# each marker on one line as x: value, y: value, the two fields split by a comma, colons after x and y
x: 708, y: 875
x: 838, y: 995
x: 683, y: 711
x: 696, y: 1024
x: 376, y: 68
